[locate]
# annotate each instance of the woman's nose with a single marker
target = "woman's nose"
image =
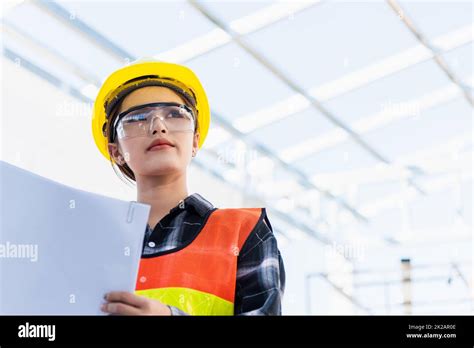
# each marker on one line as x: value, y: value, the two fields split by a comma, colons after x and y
x: 157, y: 125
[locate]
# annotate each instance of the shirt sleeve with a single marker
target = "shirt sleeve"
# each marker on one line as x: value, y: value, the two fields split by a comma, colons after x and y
x: 176, y: 311
x: 260, y: 273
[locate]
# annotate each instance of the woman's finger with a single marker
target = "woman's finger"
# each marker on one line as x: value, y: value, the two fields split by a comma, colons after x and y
x: 120, y: 308
x: 127, y: 298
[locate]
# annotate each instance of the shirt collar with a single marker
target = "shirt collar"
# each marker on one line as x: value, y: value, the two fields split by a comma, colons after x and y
x: 195, y: 202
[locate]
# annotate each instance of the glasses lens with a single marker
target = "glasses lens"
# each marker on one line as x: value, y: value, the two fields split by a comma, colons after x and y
x: 176, y: 118
x: 134, y: 124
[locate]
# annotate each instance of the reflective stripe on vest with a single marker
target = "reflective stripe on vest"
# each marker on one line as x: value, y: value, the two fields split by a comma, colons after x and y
x: 200, y: 278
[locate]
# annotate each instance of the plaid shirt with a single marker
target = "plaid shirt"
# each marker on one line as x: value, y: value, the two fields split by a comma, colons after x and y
x: 260, y: 272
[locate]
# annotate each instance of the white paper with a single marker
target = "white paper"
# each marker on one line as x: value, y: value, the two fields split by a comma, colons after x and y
x: 62, y: 249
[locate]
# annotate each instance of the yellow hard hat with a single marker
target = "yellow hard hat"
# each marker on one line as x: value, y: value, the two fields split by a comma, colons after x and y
x: 148, y: 73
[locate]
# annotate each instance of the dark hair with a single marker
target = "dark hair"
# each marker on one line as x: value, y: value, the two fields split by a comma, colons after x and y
x: 124, y: 172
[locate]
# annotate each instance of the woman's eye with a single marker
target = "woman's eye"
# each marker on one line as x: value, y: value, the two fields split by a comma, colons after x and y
x: 135, y: 118
x: 176, y: 113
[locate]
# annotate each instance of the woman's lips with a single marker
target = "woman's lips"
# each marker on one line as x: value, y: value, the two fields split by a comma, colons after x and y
x: 160, y: 147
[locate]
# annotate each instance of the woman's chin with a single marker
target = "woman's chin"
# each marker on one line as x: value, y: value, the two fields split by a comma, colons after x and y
x: 162, y: 169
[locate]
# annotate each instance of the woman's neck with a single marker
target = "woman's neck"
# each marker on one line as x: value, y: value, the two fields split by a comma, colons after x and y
x: 162, y: 193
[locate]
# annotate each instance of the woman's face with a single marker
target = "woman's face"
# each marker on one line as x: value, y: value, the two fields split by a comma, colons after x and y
x: 135, y: 152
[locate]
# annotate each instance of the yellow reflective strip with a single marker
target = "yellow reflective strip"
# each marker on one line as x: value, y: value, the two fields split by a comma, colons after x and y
x: 191, y: 301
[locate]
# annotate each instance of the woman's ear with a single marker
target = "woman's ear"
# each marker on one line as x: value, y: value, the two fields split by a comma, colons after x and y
x: 195, y: 143
x: 115, y: 154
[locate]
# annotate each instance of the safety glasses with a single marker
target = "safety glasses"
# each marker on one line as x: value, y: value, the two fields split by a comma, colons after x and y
x: 140, y: 120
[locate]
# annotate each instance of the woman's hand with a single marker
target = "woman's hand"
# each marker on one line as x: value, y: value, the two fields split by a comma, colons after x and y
x: 127, y: 303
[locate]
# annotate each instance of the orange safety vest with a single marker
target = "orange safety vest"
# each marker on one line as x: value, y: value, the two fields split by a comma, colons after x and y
x: 200, y: 278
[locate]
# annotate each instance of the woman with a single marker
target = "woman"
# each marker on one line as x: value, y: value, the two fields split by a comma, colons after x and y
x: 150, y: 118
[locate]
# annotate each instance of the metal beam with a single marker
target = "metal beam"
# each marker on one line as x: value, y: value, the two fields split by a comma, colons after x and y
x: 85, y: 30
x: 296, y: 88
x: 52, y: 55
x: 298, y: 10
x: 398, y: 9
